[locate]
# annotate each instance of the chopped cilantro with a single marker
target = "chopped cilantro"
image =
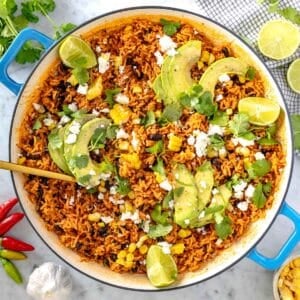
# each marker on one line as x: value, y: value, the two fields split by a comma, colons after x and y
x: 79, y: 161
x: 248, y: 136
x: 267, y: 187
x: 178, y: 191
x: 213, y: 209
x: 167, y: 199
x: 259, y: 199
x: 158, y: 230
x: 29, y: 53
x: 98, y: 139
x: 224, y: 229
x: 92, y: 190
x: 110, y: 95
x: 37, y: 125
x: 239, y: 124
x: 123, y: 186
x: 156, y: 148
x: 149, y: 119
x: 159, y: 216
x: 63, y: 29
x: 250, y: 73
x: 216, y: 141
x: 54, y: 140
x: 220, y: 118
x: 81, y: 74
x: 159, y: 167
x: 291, y: 14
x: 259, y: 168
x: 169, y: 27
x: 171, y: 113
x: 84, y: 180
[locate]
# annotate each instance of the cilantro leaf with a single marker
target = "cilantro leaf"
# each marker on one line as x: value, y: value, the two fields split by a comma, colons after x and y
x: 220, y: 118
x: 84, y: 180
x: 248, y: 136
x: 20, y: 22
x: 224, y: 229
x: 7, y: 8
x: 296, y: 130
x: 54, y: 140
x: 267, y: 187
x: 169, y: 27
x: 178, y: 191
x: 213, y: 209
x: 110, y: 96
x: 216, y: 141
x: 98, y: 139
x: 37, y: 125
x: 156, y: 148
x: 29, y: 53
x: 81, y: 74
x: 167, y: 199
x: 205, y: 105
x: 259, y: 199
x: 251, y: 72
x: 259, y: 168
x: 32, y: 7
x: 28, y: 10
x: 159, y: 216
x: 63, y: 29
x: 171, y: 113
x: 4, y: 44
x: 123, y: 186
x: 267, y: 141
x: 239, y: 124
x: 159, y: 167
x: 158, y: 230
x: 111, y: 131
x: 291, y: 14
x: 149, y: 119
x: 79, y: 161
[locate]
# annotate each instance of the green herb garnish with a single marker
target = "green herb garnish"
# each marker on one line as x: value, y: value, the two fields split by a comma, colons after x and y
x: 169, y: 27
x: 239, y: 124
x: 37, y: 125
x: 167, y: 199
x: 149, y: 119
x: 84, y: 180
x: 54, y: 140
x: 79, y: 161
x: 171, y: 113
x: 178, y: 191
x: 110, y: 96
x: 159, y: 216
x: 259, y: 168
x: 158, y: 230
x: 158, y: 147
x: 224, y: 229
x: 259, y: 198
x: 81, y: 74
x: 216, y: 141
x: 250, y: 73
x: 220, y: 118
x: 159, y: 167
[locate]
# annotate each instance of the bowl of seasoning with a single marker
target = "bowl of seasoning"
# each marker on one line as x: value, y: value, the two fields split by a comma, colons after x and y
x: 286, y: 282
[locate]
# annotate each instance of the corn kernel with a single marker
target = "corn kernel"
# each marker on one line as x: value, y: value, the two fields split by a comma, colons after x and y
x: 211, y: 59
x: 245, y: 151
x: 222, y: 153
x: 128, y: 264
x: 21, y: 160
x: 102, y: 189
x: 124, y: 145
x: 200, y: 65
x: 131, y: 195
x: 72, y: 80
x: 159, y: 178
x: 177, y: 248
x: 296, y: 262
x: 175, y: 143
x: 122, y: 208
x: 229, y: 111
x: 238, y: 150
x: 131, y: 247
x: 137, y: 89
x: 132, y: 159
x: 141, y: 241
x: 158, y: 113
x: 143, y: 249
x: 120, y: 261
x: 128, y: 207
x: 183, y: 233
x: 120, y: 114
x: 122, y: 254
x: 95, y: 217
x: 212, y: 153
x: 247, y: 162
x: 95, y: 89
x: 242, y: 79
x: 101, y: 224
x: 129, y: 257
x: 118, y: 61
x: 205, y: 56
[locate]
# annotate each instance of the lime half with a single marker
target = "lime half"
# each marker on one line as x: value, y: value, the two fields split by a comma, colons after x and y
x: 161, y: 267
x: 74, y: 52
x: 261, y: 111
x: 278, y: 39
x: 293, y: 76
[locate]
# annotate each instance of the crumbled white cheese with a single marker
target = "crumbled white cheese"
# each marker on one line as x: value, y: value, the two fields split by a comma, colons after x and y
x: 75, y: 127
x: 82, y: 89
x: 166, y: 247
x: 73, y: 106
x: 202, y: 214
x: 107, y: 219
x: 224, y: 78
x: 159, y: 58
x: 146, y: 226
x: 249, y: 191
x: 202, y: 141
x: 166, y: 185
x: 219, y: 242
x: 72, y: 200
x: 219, y: 97
x: 136, y: 121
x: 105, y: 110
x: 121, y: 69
x: 98, y: 49
x: 171, y: 204
x: 95, y: 112
x: 239, y: 195
x: 187, y: 221
x: 203, y: 184
x: 71, y: 138
x: 215, y: 191
x: 113, y: 190
x: 49, y: 121
x: 222, y: 151
x: 135, y: 217
x: 115, y: 201
x: 242, y: 142
x: 240, y: 187
x: 64, y: 120
x: 201, y: 230
x: 100, y: 196
x: 104, y: 176
x: 243, y: 206
x: 121, y: 134
x: 191, y: 140
x: 122, y: 99
x: 259, y: 156
x: 134, y: 141
x: 92, y: 172
x: 103, y: 62
x: 215, y: 129
x: 167, y: 45
x: 39, y: 108
x: 218, y: 218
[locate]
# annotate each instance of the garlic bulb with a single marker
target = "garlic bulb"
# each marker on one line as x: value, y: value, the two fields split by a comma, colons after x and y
x: 49, y: 282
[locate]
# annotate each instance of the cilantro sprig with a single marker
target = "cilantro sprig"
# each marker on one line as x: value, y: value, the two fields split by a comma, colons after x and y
x: 11, y: 24
x: 170, y: 27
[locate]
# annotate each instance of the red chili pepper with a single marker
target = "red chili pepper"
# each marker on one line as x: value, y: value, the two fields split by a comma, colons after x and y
x: 6, y: 207
x: 10, y: 243
x: 9, y: 222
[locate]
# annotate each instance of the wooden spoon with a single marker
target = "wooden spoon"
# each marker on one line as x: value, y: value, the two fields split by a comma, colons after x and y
x: 33, y: 171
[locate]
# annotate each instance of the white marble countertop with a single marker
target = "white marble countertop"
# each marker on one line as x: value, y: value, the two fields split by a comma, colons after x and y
x: 244, y: 281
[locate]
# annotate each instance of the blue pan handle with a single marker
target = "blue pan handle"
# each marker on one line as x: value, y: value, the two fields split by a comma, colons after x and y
x: 24, y: 36
x: 276, y: 262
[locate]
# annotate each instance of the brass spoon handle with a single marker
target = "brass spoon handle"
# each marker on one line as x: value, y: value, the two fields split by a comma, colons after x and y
x: 33, y: 171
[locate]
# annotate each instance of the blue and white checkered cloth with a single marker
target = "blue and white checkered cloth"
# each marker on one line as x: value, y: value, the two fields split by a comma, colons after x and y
x: 245, y: 18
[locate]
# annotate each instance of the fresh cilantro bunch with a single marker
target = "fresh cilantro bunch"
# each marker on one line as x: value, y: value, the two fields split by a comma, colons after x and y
x: 11, y: 23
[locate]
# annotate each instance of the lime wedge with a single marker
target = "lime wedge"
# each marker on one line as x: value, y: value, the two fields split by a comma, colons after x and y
x: 278, y: 39
x: 161, y: 267
x: 261, y: 111
x: 293, y: 76
x: 75, y: 52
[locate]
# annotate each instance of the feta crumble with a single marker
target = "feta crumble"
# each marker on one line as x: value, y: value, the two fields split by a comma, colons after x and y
x: 166, y: 247
x: 215, y: 191
x: 219, y: 97
x: 121, y: 69
x: 146, y: 226
x: 243, y: 206
x: 242, y: 142
x: 98, y: 49
x: 71, y: 138
x: 224, y: 78
x: 95, y: 112
x: 215, y: 129
x: 201, y: 143
x: 73, y: 106
x: 122, y: 99
x: 72, y: 200
x: 259, y: 156
x: 171, y: 204
x: 49, y: 121
x: 121, y: 134
x: 159, y: 58
x: 39, y: 108
x: 240, y: 187
x: 103, y: 62
x: 219, y: 242
x: 191, y: 140
x: 100, y: 196
x: 113, y: 190
x: 105, y: 110
x: 239, y: 195
x: 75, y: 127
x: 64, y: 120
x: 131, y: 216
x: 107, y: 219
x: 82, y: 89
x: 92, y: 172
x: 167, y: 45
x: 249, y: 191
x: 134, y: 141
x: 166, y: 185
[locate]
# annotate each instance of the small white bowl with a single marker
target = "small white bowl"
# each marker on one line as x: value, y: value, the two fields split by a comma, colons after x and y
x: 277, y: 274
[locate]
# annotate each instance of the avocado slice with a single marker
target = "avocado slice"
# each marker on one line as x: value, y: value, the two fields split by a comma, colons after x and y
x: 204, y: 179
x: 228, y: 65
x: 57, y: 153
x: 176, y: 71
x: 185, y: 196
x: 158, y: 89
x: 85, y: 170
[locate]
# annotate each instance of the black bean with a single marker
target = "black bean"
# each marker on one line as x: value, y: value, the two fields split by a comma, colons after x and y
x: 113, y: 256
x: 155, y: 136
x: 58, y: 230
x: 225, y: 51
x: 103, y: 231
x: 216, y: 162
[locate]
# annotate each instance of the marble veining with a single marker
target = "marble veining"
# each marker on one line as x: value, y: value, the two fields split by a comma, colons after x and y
x: 245, y: 280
